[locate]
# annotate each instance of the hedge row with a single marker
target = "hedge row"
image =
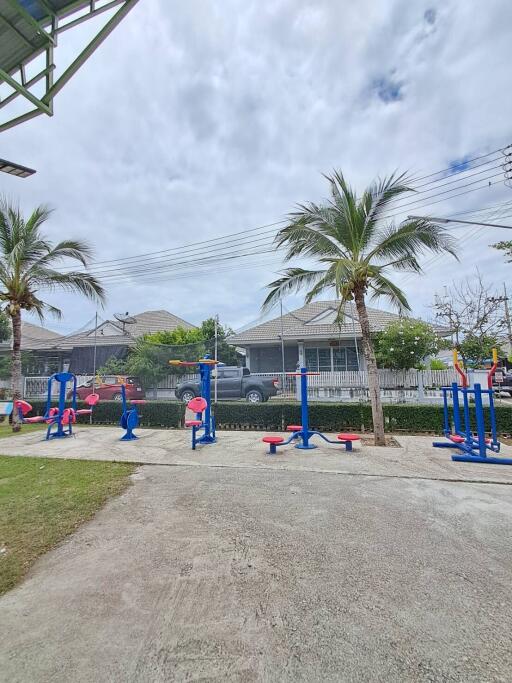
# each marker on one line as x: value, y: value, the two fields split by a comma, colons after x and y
x: 275, y: 416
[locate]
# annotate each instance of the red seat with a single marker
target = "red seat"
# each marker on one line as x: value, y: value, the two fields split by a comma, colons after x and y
x: 193, y: 423
x: 197, y: 404
x: 348, y: 437
x: 456, y: 438
x: 273, y: 439
x: 92, y: 399
x: 294, y: 428
x: 24, y: 406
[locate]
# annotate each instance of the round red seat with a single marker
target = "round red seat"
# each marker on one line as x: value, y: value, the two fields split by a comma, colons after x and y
x: 193, y: 423
x: 456, y: 438
x: 294, y: 428
x: 273, y: 439
x: 348, y: 437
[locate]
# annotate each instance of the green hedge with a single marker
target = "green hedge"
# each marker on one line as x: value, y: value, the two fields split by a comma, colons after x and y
x: 275, y: 416
x: 152, y: 414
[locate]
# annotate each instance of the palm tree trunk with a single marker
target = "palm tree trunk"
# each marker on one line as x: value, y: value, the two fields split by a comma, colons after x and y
x: 371, y: 364
x: 16, y: 367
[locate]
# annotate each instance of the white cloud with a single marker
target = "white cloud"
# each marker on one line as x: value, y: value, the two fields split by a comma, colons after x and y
x: 203, y: 118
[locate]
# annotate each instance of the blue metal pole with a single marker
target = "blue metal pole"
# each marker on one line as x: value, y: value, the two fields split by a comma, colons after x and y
x: 480, y: 424
x: 447, y: 430
x: 492, y: 416
x: 467, y: 418
x: 62, y: 405
x: 456, y: 408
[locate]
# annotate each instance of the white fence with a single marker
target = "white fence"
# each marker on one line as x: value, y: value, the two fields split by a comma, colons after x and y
x: 410, y: 385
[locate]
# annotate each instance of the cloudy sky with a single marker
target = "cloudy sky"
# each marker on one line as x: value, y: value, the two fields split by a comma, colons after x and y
x: 205, y: 118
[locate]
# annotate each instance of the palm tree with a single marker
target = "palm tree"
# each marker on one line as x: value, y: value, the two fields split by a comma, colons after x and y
x: 356, y: 246
x: 27, y: 265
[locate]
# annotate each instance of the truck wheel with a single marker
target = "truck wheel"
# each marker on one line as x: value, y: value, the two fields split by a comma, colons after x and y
x: 187, y: 395
x: 254, y: 396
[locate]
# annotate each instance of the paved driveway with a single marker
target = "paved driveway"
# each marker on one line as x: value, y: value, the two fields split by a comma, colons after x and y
x: 247, y: 574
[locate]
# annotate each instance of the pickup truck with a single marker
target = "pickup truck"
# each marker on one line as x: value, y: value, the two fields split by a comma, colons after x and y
x: 232, y: 382
x: 506, y: 384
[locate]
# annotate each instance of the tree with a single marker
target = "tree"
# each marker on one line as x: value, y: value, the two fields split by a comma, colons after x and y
x: 405, y: 344
x: 5, y: 327
x: 112, y: 366
x: 225, y: 352
x: 27, y: 265
x: 146, y: 361
x: 505, y: 246
x: 472, y: 311
x: 356, y: 246
x: 476, y: 350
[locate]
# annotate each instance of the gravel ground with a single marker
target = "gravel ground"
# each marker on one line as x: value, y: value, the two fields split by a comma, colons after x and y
x: 200, y: 573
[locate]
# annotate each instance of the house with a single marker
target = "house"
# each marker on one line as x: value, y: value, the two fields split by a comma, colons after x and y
x: 312, y: 338
x: 75, y: 352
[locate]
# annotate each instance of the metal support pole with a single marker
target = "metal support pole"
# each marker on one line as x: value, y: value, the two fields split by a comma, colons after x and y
x: 480, y: 424
x: 467, y: 417
x: 447, y: 430
x: 216, y: 356
x: 283, y: 382
x: 94, y: 359
x: 456, y: 408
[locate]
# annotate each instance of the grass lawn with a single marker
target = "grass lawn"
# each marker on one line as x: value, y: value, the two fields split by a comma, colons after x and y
x: 6, y: 429
x: 44, y: 500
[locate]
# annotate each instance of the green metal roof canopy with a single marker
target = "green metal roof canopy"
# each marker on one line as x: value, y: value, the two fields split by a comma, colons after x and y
x: 29, y: 28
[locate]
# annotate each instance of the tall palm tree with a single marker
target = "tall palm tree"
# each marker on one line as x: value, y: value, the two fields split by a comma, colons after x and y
x: 27, y: 265
x: 356, y: 246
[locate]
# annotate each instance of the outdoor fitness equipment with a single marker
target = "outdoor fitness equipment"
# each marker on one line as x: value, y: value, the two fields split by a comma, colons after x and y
x: 62, y: 417
x: 474, y: 447
x: 204, y: 418
x: 130, y: 417
x: 302, y: 432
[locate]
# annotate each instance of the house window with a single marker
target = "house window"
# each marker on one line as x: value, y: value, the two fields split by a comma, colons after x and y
x: 338, y: 359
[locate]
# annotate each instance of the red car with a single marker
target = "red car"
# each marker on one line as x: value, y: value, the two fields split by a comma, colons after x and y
x: 111, y: 391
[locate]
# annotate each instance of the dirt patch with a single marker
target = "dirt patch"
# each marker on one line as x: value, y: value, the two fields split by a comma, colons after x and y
x: 390, y: 441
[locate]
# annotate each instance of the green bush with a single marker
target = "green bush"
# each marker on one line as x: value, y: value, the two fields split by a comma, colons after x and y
x: 275, y: 416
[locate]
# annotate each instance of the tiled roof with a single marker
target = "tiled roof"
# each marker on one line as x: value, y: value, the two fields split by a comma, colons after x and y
x: 295, y: 324
x: 31, y: 331
x: 111, y: 332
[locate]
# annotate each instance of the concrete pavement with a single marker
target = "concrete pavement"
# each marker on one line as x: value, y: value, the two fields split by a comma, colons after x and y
x: 244, y: 449
x: 238, y: 574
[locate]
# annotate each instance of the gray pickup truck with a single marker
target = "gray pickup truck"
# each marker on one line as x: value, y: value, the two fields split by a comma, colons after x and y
x: 232, y: 382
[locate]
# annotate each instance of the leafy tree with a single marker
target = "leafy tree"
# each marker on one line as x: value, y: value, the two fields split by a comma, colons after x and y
x: 505, y: 246
x: 5, y: 327
x: 113, y: 366
x: 145, y: 361
x: 405, y: 344
x: 477, y: 349
x: 225, y: 352
x: 27, y: 265
x: 437, y: 364
x: 356, y: 246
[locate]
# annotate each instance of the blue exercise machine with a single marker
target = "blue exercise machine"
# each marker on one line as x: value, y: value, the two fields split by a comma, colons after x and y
x: 302, y: 433
x: 201, y: 406
x: 130, y: 417
x: 474, y: 446
x: 61, y: 417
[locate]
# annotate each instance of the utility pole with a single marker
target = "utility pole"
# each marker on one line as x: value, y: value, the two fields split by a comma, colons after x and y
x: 94, y: 359
x: 215, y: 356
x: 507, y: 319
x: 283, y: 381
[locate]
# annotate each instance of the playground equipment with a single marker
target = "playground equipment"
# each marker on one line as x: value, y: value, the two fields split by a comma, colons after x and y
x: 205, y: 420
x: 130, y: 417
x: 302, y: 433
x: 474, y: 447
x: 62, y: 417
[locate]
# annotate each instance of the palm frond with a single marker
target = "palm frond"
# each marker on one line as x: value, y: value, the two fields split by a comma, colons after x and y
x: 382, y: 287
x: 293, y: 280
x: 412, y: 237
